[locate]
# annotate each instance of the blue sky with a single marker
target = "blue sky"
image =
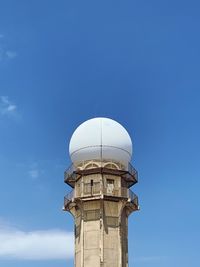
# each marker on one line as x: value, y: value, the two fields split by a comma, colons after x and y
x: 63, y: 62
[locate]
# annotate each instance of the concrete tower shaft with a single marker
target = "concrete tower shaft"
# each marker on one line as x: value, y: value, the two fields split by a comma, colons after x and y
x: 101, y: 202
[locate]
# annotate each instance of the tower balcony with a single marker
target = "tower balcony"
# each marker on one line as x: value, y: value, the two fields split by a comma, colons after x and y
x: 97, y: 193
x: 74, y: 173
x: 133, y: 198
x: 69, y: 198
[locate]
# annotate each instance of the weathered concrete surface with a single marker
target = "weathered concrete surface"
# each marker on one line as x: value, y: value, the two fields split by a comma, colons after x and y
x: 101, y: 208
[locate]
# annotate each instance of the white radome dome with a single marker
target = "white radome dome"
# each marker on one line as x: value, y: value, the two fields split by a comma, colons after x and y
x: 100, y: 139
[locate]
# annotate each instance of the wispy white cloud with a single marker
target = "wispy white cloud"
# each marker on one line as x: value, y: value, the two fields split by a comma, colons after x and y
x: 10, y: 54
x: 6, y: 106
x: 33, y: 173
x: 5, y: 52
x: 35, y: 245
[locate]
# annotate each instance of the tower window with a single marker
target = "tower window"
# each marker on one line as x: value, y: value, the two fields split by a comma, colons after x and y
x: 110, y: 181
x: 110, y: 186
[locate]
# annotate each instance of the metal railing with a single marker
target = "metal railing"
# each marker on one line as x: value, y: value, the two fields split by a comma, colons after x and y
x: 122, y: 192
x: 116, y: 192
x: 133, y: 197
x: 95, y: 189
x: 68, y: 198
x: 133, y: 172
x: 70, y: 174
x: 73, y: 173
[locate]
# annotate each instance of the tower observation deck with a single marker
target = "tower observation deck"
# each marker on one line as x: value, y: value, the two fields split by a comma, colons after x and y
x: 101, y: 199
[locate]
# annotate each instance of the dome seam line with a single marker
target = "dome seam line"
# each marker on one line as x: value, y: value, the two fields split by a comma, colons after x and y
x: 101, y: 146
